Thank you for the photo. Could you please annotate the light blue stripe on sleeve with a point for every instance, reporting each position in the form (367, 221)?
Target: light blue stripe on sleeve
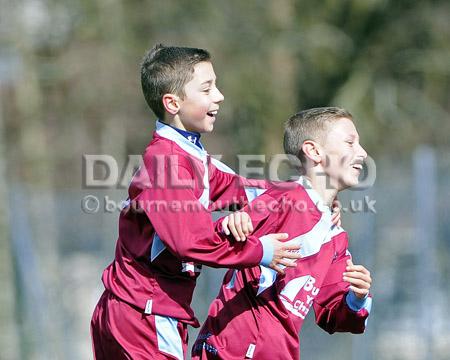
(267, 245)
(356, 304)
(252, 193)
(169, 340)
(157, 247)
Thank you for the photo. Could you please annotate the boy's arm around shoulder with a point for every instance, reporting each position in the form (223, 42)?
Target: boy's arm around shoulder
(185, 225)
(228, 188)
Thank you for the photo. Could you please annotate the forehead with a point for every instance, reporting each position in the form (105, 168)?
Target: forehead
(203, 72)
(341, 128)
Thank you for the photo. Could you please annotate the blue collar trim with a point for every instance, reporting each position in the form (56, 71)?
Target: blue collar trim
(191, 136)
(170, 133)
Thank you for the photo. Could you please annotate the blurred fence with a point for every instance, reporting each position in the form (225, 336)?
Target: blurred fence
(58, 253)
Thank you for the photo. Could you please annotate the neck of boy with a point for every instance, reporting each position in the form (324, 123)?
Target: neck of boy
(175, 122)
(321, 184)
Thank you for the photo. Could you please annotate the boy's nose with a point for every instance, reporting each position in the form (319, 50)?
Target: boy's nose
(218, 96)
(362, 152)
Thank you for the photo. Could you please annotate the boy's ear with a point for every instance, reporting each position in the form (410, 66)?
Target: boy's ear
(171, 103)
(312, 151)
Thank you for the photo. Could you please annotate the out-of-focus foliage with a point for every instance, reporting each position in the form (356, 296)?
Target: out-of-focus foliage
(76, 86)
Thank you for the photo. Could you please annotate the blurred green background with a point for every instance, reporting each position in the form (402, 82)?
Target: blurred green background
(69, 85)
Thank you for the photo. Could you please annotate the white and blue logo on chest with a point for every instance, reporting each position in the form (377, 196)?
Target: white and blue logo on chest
(298, 295)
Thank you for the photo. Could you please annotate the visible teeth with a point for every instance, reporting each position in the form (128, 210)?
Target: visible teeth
(213, 112)
(357, 166)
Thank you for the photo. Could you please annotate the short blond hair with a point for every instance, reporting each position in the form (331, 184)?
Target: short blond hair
(311, 124)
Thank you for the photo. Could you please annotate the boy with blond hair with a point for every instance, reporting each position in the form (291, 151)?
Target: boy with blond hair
(258, 313)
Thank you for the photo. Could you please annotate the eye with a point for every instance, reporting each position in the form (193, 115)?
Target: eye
(206, 91)
(350, 142)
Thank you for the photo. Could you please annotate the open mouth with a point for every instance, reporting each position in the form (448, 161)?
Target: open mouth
(357, 165)
(212, 113)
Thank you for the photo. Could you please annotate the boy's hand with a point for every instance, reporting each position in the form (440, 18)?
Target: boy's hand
(336, 216)
(283, 254)
(239, 224)
(359, 278)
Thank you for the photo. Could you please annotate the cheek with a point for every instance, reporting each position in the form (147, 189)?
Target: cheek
(197, 109)
(346, 157)
(199, 112)
(335, 159)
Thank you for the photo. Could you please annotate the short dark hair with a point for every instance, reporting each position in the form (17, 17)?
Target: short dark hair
(309, 124)
(166, 70)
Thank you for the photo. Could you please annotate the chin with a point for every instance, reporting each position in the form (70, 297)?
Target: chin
(347, 183)
(208, 129)
(352, 183)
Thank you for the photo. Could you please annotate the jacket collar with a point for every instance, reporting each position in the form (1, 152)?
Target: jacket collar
(170, 133)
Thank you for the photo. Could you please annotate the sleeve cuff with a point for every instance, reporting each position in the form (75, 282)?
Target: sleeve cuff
(356, 304)
(267, 245)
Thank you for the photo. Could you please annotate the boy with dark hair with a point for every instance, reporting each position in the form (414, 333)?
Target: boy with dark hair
(166, 231)
(258, 313)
